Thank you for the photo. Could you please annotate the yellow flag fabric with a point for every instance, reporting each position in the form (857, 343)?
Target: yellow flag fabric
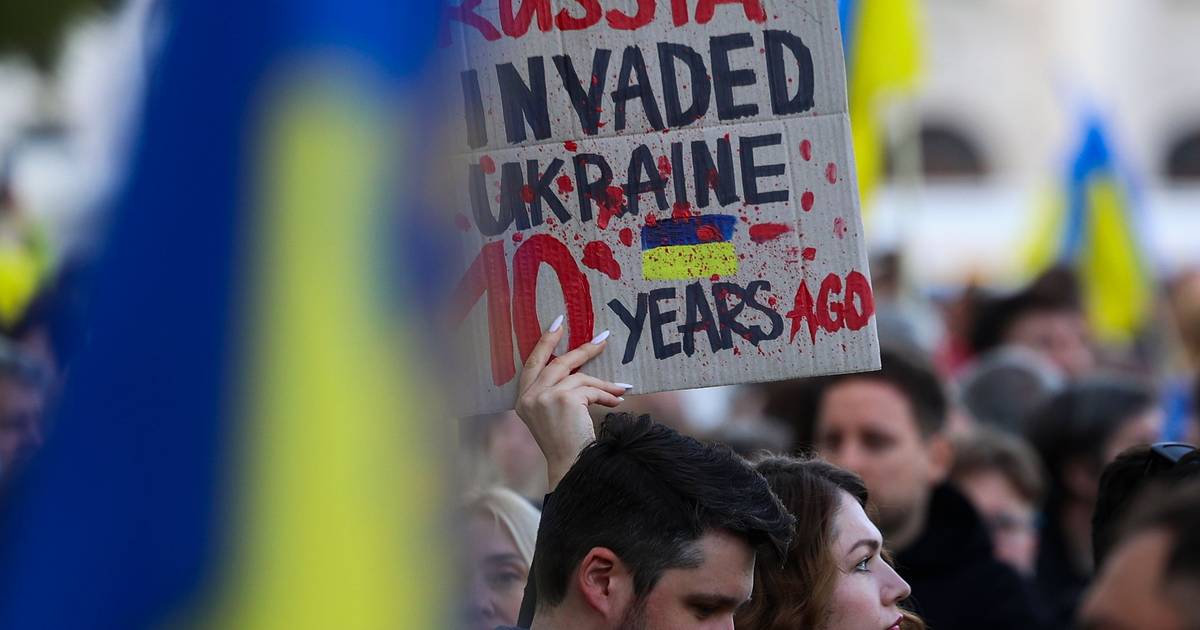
(1116, 285)
(883, 60)
(338, 516)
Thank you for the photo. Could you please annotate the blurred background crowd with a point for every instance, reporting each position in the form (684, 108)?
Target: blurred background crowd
(1033, 224)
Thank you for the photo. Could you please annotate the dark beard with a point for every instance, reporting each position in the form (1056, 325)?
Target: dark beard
(635, 617)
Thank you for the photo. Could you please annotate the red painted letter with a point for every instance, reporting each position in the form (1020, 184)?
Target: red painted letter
(489, 274)
(802, 309)
(591, 17)
(830, 313)
(753, 8)
(577, 293)
(517, 25)
(679, 12)
(622, 22)
(857, 316)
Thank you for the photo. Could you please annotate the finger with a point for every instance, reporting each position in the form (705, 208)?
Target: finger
(541, 354)
(563, 366)
(580, 379)
(600, 397)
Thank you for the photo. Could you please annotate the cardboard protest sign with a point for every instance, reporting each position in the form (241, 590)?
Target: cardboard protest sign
(677, 172)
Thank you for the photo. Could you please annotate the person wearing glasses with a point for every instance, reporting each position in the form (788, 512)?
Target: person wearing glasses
(1151, 578)
(1127, 478)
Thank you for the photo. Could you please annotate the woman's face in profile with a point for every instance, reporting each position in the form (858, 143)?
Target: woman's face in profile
(868, 591)
(498, 574)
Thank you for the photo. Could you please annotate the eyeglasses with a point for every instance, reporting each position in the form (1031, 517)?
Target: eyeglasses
(1164, 455)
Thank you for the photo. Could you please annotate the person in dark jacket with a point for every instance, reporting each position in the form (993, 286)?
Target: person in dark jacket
(888, 426)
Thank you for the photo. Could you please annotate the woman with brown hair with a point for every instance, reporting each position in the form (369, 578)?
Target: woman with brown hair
(835, 575)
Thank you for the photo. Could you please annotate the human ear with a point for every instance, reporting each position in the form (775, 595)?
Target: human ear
(940, 452)
(605, 583)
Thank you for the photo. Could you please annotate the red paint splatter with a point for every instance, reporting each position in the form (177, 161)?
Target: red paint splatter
(681, 210)
(595, 81)
(571, 146)
(549, 220)
(527, 193)
(598, 255)
(727, 137)
(664, 166)
(714, 277)
(461, 222)
(771, 301)
(806, 150)
(708, 233)
(764, 232)
(809, 253)
(839, 227)
(565, 185)
(517, 237)
(806, 200)
(831, 173)
(488, 164)
(651, 220)
(626, 236)
(612, 204)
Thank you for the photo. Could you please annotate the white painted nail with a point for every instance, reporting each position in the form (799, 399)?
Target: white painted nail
(557, 324)
(627, 386)
(621, 398)
(600, 338)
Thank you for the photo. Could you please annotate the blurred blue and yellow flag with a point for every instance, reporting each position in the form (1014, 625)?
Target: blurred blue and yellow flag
(1093, 225)
(249, 438)
(882, 44)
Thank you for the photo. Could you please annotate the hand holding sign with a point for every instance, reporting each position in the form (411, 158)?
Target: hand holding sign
(553, 400)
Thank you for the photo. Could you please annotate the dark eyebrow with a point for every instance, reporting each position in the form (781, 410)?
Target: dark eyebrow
(503, 558)
(714, 601)
(866, 542)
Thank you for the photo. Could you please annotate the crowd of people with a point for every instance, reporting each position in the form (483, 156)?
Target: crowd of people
(1017, 474)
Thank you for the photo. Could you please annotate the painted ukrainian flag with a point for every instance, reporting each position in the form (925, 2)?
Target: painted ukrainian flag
(1093, 225)
(691, 247)
(882, 43)
(249, 440)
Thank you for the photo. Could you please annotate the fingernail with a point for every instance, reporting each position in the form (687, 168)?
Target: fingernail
(621, 398)
(557, 324)
(627, 386)
(600, 338)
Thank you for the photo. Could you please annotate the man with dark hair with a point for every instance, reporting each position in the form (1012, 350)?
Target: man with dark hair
(650, 525)
(888, 426)
(647, 529)
(1152, 578)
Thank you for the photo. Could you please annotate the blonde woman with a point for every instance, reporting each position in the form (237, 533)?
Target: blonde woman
(501, 530)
